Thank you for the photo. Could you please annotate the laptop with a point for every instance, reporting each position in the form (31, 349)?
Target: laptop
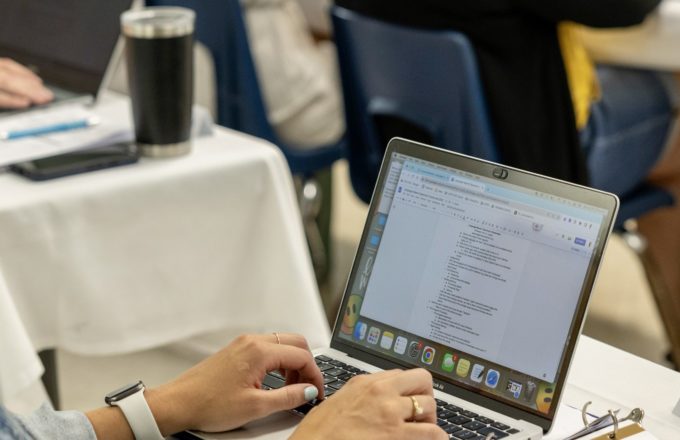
(68, 43)
(478, 272)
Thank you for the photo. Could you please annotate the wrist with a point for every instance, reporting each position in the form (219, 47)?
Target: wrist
(169, 409)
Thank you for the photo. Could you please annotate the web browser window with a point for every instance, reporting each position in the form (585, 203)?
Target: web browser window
(472, 277)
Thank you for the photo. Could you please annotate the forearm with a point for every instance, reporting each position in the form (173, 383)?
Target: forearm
(597, 13)
(165, 403)
(109, 423)
(224, 391)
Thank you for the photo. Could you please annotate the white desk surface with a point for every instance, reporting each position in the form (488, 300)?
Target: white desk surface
(655, 44)
(612, 378)
(608, 377)
(143, 255)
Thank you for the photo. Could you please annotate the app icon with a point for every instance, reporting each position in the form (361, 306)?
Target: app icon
(414, 349)
(530, 391)
(351, 314)
(373, 335)
(449, 362)
(463, 367)
(514, 388)
(386, 341)
(400, 345)
(492, 378)
(477, 373)
(366, 272)
(428, 355)
(544, 397)
(360, 331)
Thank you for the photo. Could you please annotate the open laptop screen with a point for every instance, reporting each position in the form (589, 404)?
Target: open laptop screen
(472, 277)
(67, 42)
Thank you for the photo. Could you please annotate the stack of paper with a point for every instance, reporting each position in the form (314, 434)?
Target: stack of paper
(104, 131)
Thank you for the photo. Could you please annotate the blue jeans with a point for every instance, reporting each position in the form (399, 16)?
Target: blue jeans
(628, 128)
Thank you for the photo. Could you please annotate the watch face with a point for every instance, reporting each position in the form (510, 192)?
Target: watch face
(123, 392)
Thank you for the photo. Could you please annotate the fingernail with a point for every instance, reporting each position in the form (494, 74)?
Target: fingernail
(45, 95)
(310, 393)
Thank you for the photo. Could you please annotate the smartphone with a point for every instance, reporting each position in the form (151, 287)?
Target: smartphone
(77, 162)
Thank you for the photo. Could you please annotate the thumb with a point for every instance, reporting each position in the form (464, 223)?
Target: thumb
(288, 397)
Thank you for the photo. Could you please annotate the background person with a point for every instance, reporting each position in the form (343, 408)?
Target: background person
(297, 74)
(551, 112)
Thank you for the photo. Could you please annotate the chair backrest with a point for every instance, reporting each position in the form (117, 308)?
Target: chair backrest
(221, 28)
(410, 82)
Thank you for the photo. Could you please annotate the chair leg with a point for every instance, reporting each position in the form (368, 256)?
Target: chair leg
(48, 357)
(662, 294)
(310, 199)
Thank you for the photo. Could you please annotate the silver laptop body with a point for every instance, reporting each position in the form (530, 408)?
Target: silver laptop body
(478, 272)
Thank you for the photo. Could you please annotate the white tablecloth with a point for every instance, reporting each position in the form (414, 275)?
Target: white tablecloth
(655, 44)
(135, 257)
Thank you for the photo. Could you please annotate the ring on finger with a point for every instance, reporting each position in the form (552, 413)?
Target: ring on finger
(417, 409)
(278, 340)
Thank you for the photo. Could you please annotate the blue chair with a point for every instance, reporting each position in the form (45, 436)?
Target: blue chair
(643, 199)
(416, 83)
(423, 84)
(221, 28)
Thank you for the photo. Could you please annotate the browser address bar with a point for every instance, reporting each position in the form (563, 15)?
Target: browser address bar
(471, 186)
(467, 184)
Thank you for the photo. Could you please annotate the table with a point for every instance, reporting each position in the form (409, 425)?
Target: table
(613, 378)
(140, 256)
(605, 375)
(654, 44)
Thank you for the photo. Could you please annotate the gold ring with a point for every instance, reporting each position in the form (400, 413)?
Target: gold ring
(278, 340)
(417, 409)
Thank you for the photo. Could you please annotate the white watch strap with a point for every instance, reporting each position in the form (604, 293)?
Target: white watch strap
(139, 417)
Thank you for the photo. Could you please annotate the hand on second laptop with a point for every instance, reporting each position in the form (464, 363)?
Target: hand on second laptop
(19, 87)
(376, 406)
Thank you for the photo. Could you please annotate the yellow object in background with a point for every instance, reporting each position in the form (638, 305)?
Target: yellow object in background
(581, 73)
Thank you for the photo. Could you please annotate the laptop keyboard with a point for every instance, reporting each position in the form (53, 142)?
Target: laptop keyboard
(454, 420)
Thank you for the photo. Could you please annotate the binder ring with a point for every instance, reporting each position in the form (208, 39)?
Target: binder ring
(584, 413)
(615, 420)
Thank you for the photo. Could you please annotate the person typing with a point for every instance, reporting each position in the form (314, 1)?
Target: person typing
(225, 392)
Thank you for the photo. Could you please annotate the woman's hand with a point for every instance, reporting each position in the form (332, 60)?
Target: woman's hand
(224, 391)
(19, 87)
(376, 406)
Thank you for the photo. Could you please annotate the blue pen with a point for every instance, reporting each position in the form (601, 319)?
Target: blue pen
(51, 128)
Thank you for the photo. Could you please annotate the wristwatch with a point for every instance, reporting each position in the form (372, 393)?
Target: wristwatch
(130, 399)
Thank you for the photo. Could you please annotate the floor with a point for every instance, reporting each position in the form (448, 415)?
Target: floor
(622, 313)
